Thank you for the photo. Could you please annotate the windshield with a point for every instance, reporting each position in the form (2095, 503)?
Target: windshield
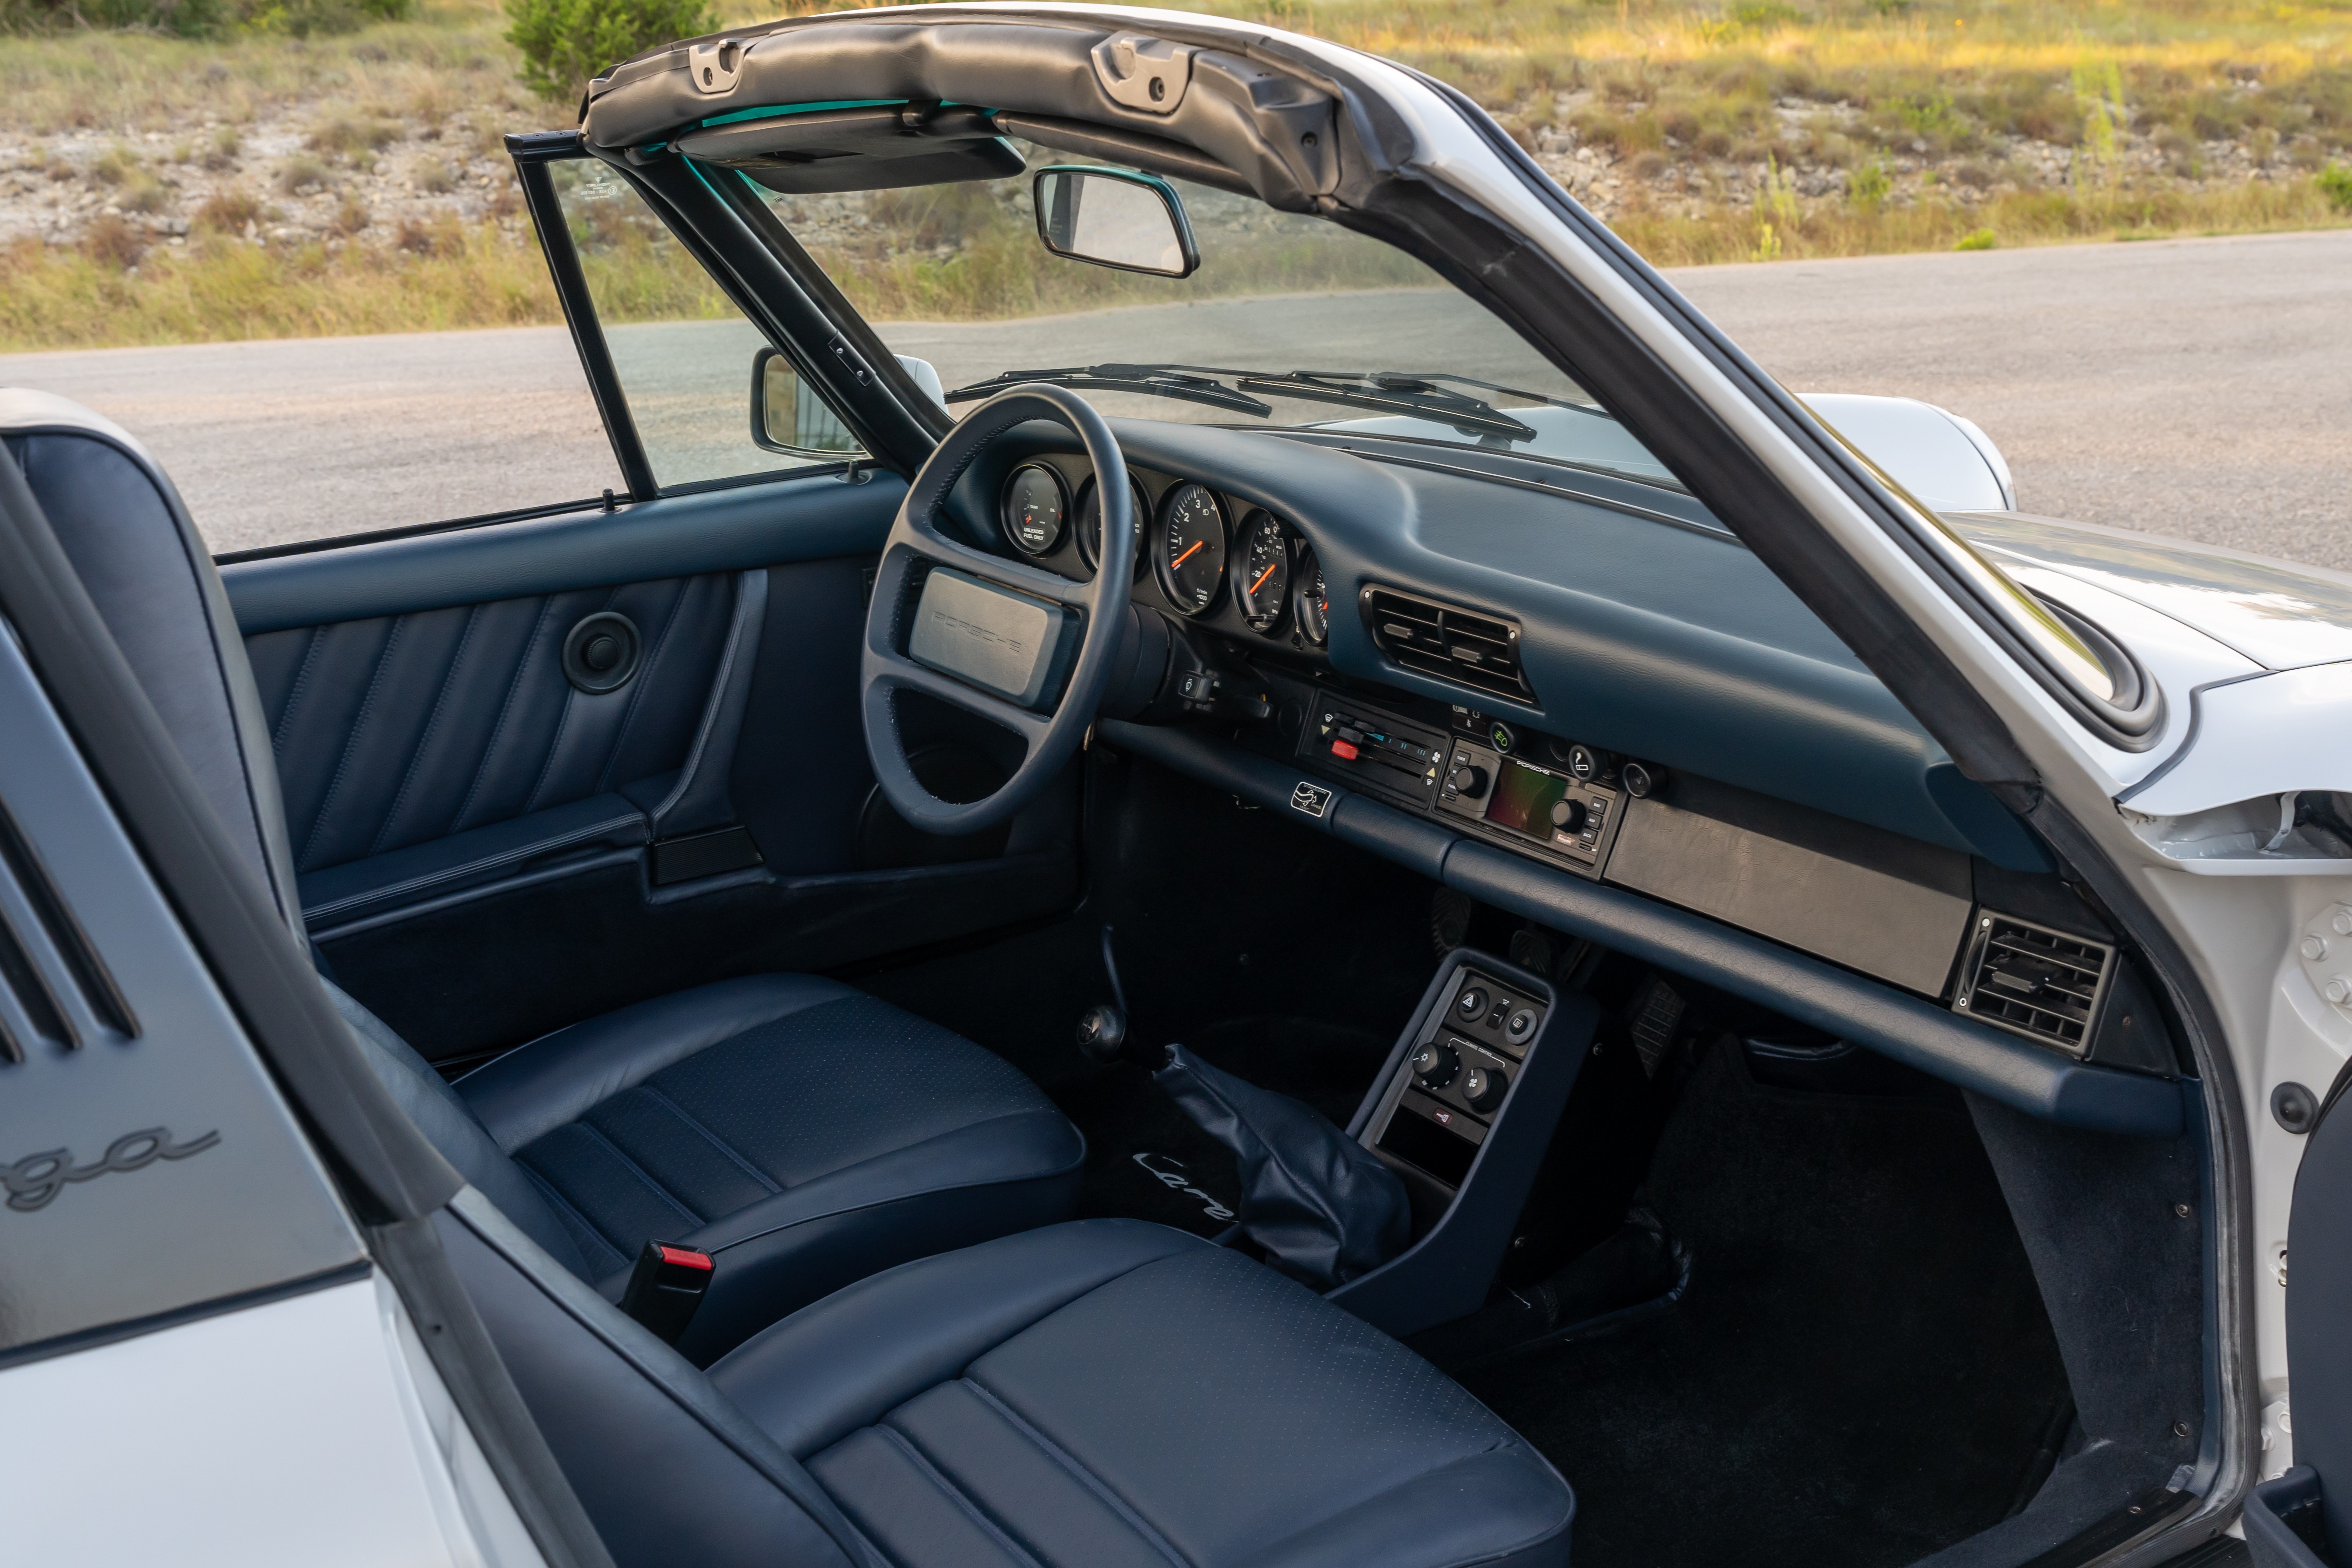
(1289, 323)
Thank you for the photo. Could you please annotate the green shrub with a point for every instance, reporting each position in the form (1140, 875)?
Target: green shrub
(1982, 240)
(566, 42)
(2336, 181)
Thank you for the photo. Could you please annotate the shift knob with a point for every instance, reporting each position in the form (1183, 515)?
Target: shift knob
(1102, 1032)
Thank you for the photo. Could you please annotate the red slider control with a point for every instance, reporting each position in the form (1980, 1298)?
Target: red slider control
(1343, 751)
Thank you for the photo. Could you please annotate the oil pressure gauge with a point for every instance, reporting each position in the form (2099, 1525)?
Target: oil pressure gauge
(1313, 601)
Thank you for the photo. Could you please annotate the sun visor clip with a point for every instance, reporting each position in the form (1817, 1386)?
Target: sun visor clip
(1141, 72)
(715, 65)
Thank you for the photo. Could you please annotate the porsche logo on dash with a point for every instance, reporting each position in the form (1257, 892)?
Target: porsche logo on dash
(1311, 798)
(36, 1179)
(959, 627)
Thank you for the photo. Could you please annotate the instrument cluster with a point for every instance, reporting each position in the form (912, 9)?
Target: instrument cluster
(1210, 556)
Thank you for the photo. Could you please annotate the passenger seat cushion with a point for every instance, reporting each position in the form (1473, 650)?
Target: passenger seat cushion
(1144, 1398)
(803, 1134)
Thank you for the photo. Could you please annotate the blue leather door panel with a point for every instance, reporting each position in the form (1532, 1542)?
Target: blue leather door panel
(404, 729)
(470, 830)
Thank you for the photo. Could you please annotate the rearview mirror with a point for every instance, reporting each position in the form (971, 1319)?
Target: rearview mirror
(788, 416)
(1115, 218)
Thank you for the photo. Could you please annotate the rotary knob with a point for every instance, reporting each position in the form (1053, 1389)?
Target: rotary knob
(1568, 815)
(1482, 1088)
(1435, 1064)
(1468, 782)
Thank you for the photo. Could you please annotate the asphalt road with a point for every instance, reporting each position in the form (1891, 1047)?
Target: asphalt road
(2196, 387)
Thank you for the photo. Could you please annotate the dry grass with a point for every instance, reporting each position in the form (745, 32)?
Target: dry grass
(1943, 71)
(216, 288)
(138, 82)
(2057, 217)
(1730, 130)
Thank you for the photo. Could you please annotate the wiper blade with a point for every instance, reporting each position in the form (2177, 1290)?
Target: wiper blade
(1157, 381)
(1414, 396)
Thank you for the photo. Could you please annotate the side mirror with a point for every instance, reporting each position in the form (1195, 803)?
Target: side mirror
(787, 416)
(1115, 218)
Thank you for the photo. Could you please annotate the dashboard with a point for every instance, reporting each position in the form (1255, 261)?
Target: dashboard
(1583, 672)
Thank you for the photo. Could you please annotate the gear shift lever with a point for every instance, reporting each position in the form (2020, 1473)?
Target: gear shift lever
(1102, 1030)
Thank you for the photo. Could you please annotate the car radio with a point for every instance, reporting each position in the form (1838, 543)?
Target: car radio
(1481, 772)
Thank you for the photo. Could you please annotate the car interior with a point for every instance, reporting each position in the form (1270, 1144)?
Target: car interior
(1372, 989)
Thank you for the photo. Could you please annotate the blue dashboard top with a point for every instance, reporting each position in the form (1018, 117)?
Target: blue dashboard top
(1663, 639)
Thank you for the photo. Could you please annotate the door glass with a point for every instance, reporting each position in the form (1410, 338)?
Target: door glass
(682, 349)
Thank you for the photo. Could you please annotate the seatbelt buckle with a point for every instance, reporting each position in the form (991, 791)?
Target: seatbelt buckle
(665, 1287)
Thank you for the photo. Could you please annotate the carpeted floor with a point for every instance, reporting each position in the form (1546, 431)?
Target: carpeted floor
(1859, 1371)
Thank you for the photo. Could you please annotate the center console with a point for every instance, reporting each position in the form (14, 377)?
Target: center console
(1463, 1112)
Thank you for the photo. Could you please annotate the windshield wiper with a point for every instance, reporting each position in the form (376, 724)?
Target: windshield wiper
(1414, 394)
(1392, 392)
(1182, 383)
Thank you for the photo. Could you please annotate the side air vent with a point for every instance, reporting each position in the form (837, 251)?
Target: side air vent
(2040, 983)
(50, 974)
(1467, 648)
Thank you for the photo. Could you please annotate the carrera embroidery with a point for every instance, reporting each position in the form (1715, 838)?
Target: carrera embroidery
(32, 1181)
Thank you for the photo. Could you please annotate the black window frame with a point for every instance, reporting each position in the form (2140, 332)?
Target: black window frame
(752, 262)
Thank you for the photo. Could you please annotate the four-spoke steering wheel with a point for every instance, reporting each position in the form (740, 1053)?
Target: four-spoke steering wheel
(917, 546)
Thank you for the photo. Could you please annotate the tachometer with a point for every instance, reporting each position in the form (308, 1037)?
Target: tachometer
(1034, 509)
(1190, 556)
(1262, 572)
(1313, 603)
(1090, 525)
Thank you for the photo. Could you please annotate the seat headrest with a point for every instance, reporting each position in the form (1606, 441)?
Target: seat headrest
(128, 535)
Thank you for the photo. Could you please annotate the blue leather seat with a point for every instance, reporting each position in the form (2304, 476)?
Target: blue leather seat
(718, 1118)
(1093, 1394)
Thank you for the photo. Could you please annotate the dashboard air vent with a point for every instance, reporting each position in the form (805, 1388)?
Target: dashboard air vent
(1467, 648)
(2038, 981)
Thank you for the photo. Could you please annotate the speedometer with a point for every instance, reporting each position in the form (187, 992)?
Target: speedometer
(1190, 554)
(1262, 572)
(1314, 601)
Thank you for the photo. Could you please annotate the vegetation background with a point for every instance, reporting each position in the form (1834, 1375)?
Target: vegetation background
(197, 170)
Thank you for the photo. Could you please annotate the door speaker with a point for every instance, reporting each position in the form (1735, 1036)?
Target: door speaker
(601, 653)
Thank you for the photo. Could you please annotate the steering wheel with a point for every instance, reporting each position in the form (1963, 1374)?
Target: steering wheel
(970, 633)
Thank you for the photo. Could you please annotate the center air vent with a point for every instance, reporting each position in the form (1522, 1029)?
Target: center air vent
(1467, 648)
(2040, 982)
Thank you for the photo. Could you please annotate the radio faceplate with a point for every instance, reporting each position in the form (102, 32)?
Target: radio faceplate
(1481, 786)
